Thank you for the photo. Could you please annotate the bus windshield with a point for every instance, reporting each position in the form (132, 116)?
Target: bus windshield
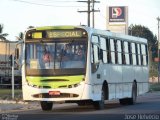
(56, 55)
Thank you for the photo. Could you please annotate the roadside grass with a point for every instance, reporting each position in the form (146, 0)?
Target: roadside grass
(154, 87)
(6, 94)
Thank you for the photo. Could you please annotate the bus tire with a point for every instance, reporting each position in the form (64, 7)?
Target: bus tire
(125, 101)
(132, 100)
(46, 106)
(134, 94)
(81, 103)
(99, 105)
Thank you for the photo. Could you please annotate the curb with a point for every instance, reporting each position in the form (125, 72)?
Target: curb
(12, 102)
(4, 109)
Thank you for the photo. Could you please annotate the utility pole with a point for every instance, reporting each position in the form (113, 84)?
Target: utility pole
(158, 19)
(12, 64)
(89, 10)
(93, 11)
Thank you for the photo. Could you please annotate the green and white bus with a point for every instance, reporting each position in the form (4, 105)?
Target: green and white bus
(82, 65)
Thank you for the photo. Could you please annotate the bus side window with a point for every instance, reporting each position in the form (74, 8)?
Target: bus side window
(104, 48)
(112, 49)
(108, 50)
(116, 52)
(119, 51)
(95, 53)
(139, 54)
(130, 53)
(144, 55)
(126, 51)
(134, 60)
(136, 48)
(123, 53)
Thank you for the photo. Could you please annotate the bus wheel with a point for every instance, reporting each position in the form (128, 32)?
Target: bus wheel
(132, 100)
(81, 103)
(46, 105)
(134, 94)
(99, 105)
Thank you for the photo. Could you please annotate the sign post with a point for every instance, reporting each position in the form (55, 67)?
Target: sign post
(12, 75)
(117, 19)
(158, 19)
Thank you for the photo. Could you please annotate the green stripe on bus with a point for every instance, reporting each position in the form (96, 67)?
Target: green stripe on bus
(55, 27)
(54, 82)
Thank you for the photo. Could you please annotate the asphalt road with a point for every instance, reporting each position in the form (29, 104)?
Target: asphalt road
(147, 108)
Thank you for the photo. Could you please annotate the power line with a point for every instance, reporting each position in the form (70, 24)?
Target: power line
(48, 5)
(60, 0)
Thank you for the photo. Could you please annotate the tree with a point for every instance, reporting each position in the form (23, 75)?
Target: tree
(144, 32)
(21, 35)
(2, 35)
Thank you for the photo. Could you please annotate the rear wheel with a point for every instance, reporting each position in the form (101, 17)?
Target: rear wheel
(100, 104)
(132, 100)
(134, 94)
(46, 106)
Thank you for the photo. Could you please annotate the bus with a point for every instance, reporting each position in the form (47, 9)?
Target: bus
(79, 64)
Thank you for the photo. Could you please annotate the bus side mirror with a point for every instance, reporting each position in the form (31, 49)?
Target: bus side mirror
(17, 53)
(101, 54)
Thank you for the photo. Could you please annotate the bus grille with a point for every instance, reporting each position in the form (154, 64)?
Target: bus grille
(62, 95)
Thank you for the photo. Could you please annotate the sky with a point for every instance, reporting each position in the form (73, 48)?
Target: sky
(17, 15)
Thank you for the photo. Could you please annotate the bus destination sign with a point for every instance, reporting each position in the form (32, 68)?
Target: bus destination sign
(64, 34)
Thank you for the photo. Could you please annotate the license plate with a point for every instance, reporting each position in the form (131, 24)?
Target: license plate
(54, 93)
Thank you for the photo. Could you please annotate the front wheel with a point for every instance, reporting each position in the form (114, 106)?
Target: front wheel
(46, 106)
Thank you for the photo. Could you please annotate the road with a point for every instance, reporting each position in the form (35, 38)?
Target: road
(147, 108)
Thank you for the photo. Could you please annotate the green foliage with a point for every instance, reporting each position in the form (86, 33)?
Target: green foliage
(153, 69)
(2, 35)
(21, 35)
(144, 32)
(7, 94)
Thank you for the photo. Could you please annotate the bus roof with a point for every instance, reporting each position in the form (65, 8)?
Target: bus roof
(55, 27)
(115, 35)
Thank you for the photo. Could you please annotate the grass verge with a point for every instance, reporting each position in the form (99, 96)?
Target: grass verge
(155, 87)
(6, 94)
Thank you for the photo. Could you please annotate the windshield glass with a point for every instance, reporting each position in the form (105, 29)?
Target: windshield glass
(56, 55)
